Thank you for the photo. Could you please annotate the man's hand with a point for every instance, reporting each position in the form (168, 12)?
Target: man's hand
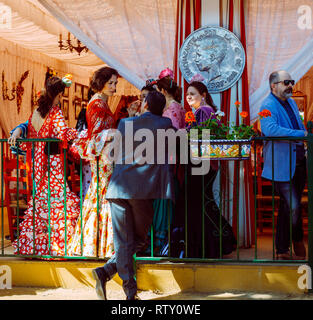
(15, 135)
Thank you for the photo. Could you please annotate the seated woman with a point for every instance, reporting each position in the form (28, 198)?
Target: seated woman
(52, 231)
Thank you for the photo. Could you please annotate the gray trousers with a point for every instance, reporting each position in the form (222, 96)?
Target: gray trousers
(131, 219)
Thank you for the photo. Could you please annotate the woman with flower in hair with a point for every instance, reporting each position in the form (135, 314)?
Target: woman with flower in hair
(173, 94)
(51, 230)
(174, 111)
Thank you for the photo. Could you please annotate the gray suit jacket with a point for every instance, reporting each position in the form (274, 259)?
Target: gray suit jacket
(141, 181)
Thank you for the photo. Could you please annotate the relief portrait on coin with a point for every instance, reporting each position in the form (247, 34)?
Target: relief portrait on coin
(214, 53)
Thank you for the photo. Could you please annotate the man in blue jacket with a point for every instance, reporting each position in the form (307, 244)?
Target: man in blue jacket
(285, 121)
(133, 187)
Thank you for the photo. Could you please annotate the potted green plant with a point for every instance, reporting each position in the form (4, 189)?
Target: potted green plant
(227, 142)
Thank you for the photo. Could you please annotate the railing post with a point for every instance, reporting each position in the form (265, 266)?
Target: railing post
(2, 200)
(310, 198)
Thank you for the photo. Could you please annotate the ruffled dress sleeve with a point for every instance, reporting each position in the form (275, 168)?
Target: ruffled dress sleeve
(60, 129)
(176, 113)
(92, 141)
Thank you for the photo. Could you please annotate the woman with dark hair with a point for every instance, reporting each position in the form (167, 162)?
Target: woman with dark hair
(81, 125)
(203, 107)
(134, 108)
(20, 132)
(97, 238)
(173, 95)
(174, 111)
(49, 234)
(200, 101)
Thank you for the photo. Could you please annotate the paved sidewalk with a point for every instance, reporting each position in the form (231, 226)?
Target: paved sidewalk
(18, 293)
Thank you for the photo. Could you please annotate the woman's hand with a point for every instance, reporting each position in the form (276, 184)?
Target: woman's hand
(133, 108)
(15, 135)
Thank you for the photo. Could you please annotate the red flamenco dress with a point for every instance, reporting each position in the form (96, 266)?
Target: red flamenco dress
(96, 222)
(49, 234)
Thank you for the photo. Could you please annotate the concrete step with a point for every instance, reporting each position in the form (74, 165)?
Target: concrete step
(28, 293)
(161, 278)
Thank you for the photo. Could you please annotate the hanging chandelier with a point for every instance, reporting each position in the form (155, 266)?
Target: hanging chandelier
(69, 46)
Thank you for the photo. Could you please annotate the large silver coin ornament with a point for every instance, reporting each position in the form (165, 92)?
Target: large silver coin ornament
(214, 55)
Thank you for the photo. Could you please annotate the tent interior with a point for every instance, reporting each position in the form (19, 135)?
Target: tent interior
(137, 38)
(27, 49)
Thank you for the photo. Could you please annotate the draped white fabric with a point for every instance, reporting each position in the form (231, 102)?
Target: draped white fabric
(135, 36)
(33, 27)
(275, 41)
(14, 61)
(31, 43)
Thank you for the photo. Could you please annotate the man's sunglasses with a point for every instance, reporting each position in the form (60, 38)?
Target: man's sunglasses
(287, 82)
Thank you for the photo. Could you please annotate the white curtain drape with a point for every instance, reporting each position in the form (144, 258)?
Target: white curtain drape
(34, 28)
(135, 36)
(275, 41)
(14, 61)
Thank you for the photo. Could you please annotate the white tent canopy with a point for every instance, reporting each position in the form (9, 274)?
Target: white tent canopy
(34, 28)
(276, 42)
(135, 37)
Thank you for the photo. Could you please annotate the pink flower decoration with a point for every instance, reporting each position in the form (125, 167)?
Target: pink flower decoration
(197, 77)
(166, 73)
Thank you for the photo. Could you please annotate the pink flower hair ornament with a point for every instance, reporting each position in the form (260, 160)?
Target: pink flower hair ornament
(197, 77)
(166, 73)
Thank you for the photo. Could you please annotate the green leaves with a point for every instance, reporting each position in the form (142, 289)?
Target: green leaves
(227, 132)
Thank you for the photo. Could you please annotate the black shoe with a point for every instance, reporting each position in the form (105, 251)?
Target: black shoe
(134, 297)
(299, 249)
(101, 280)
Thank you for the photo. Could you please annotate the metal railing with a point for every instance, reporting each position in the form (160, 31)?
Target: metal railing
(168, 257)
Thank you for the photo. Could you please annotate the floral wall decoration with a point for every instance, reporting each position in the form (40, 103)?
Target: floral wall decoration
(5, 89)
(14, 63)
(16, 91)
(20, 90)
(34, 97)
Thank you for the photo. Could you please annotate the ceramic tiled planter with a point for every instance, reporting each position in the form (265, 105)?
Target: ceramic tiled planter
(220, 149)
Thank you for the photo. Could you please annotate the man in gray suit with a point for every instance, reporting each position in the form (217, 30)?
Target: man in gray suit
(133, 187)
